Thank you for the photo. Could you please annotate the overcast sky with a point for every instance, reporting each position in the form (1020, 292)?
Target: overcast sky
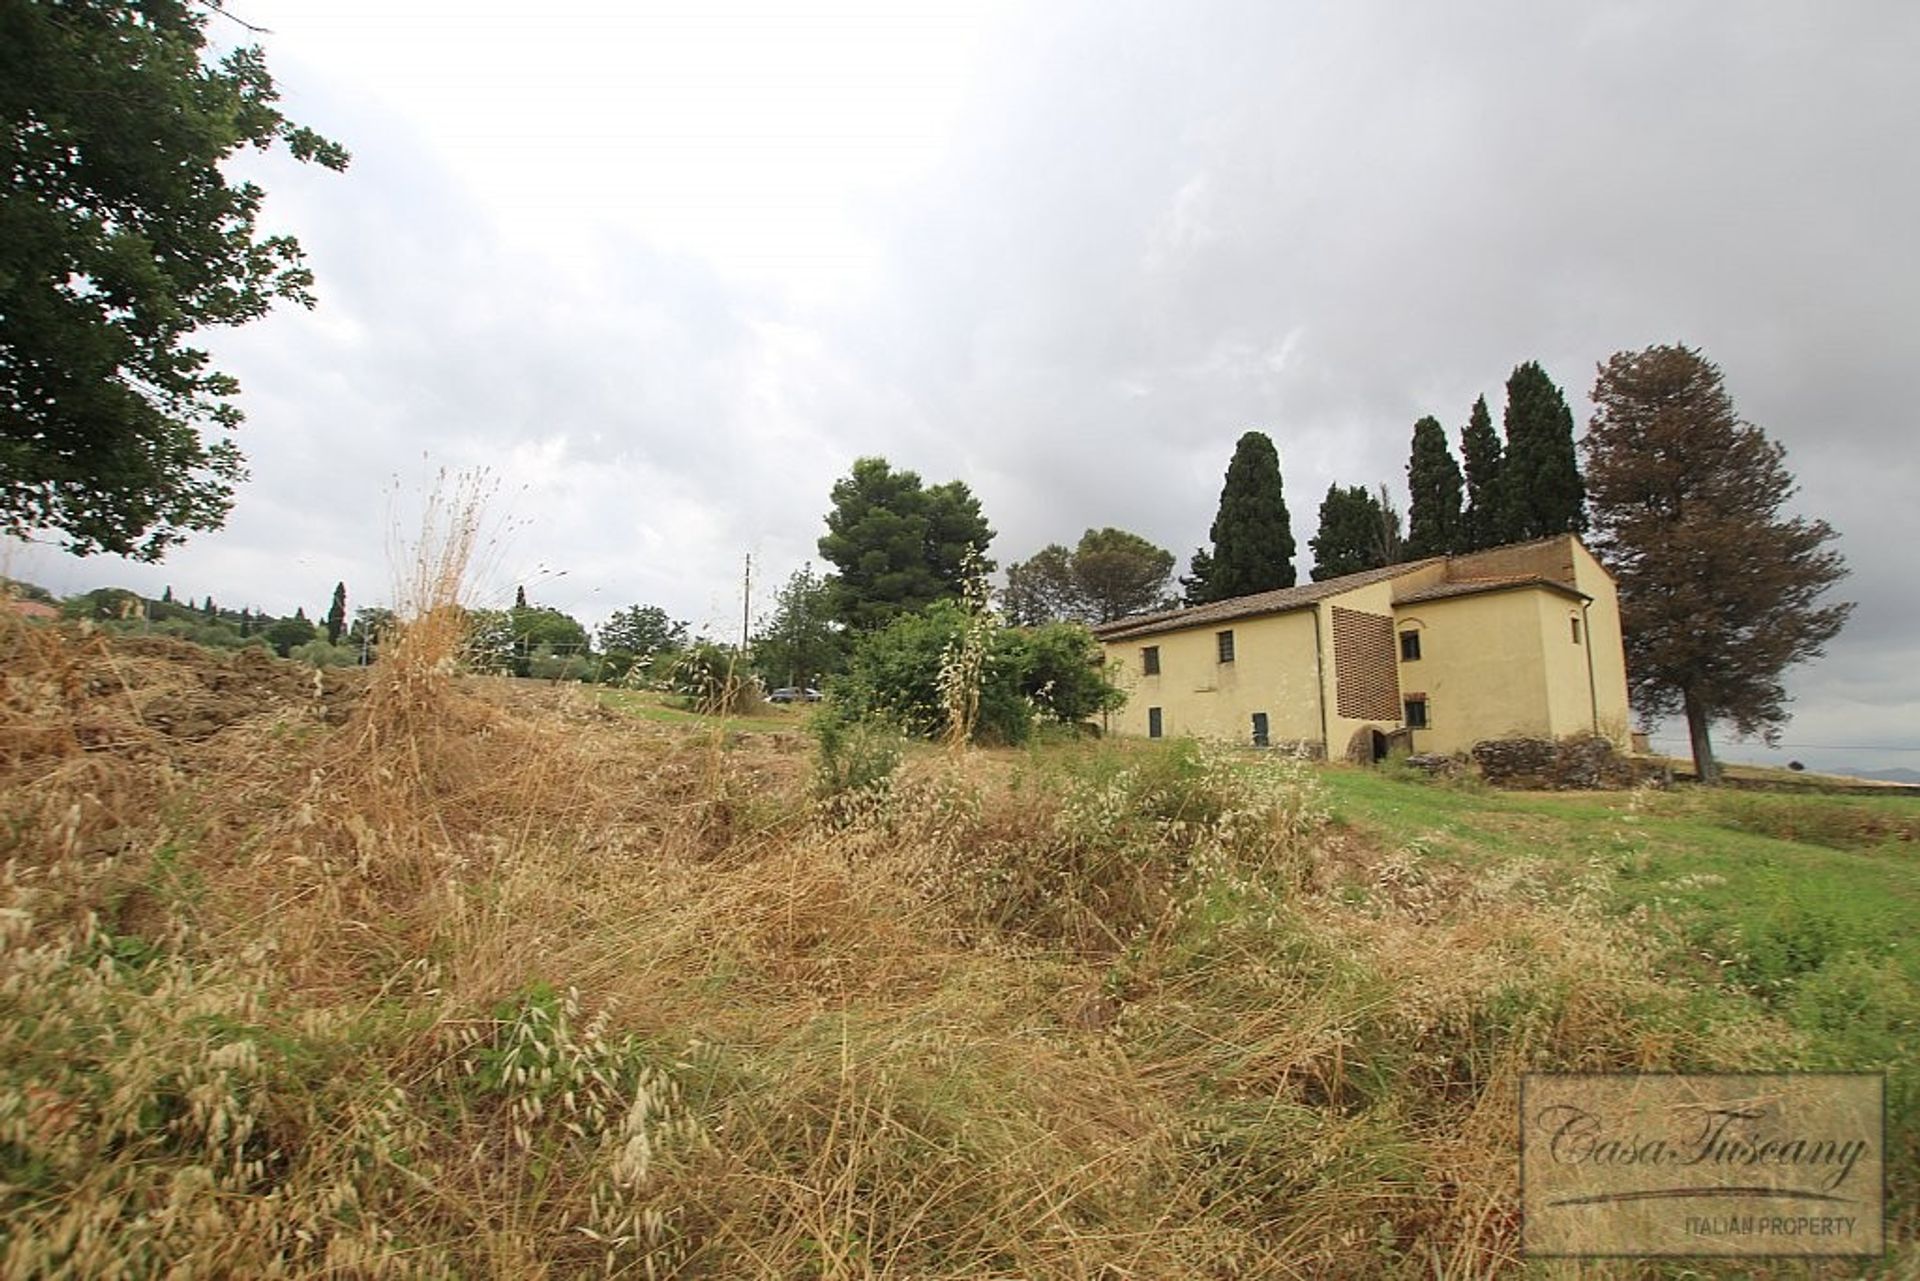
(668, 270)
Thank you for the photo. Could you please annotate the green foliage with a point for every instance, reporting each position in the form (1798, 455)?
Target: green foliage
(547, 665)
(1484, 520)
(642, 630)
(105, 603)
(895, 676)
(286, 634)
(1541, 489)
(1358, 531)
(490, 645)
(18, 590)
(119, 239)
(1435, 524)
(854, 764)
(1252, 534)
(1193, 583)
(1110, 574)
(370, 626)
(337, 614)
(320, 653)
(800, 645)
(897, 545)
(1719, 592)
(714, 680)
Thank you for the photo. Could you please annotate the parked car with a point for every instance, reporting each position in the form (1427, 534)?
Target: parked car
(789, 694)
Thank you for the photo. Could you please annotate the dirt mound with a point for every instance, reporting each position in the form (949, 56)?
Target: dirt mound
(63, 690)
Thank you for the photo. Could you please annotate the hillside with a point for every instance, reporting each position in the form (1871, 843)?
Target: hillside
(404, 974)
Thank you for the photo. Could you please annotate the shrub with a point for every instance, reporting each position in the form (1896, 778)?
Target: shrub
(1049, 672)
(714, 682)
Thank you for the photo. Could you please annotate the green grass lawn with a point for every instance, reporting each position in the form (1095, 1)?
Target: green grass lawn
(665, 708)
(1805, 905)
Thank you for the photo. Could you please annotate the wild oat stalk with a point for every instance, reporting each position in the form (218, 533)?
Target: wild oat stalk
(963, 663)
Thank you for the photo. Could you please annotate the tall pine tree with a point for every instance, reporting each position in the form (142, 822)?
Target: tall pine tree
(1541, 482)
(1483, 520)
(1720, 591)
(1252, 534)
(1434, 524)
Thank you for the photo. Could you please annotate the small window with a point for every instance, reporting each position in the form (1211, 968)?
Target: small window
(1417, 712)
(1225, 641)
(1409, 647)
(1150, 660)
(1576, 628)
(1153, 722)
(1260, 729)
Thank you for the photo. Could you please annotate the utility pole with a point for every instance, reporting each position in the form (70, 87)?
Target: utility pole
(746, 604)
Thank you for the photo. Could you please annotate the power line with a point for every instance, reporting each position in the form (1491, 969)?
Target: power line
(1805, 747)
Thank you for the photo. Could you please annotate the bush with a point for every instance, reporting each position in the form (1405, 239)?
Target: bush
(318, 653)
(544, 664)
(714, 682)
(1049, 672)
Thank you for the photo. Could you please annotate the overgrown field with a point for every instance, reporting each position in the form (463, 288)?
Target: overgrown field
(409, 975)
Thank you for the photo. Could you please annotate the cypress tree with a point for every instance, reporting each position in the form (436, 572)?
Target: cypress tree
(1193, 583)
(1542, 487)
(1434, 524)
(337, 614)
(1358, 530)
(1482, 521)
(1252, 533)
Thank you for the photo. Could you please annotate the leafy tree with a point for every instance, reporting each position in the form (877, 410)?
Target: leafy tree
(1252, 534)
(535, 626)
(490, 643)
(800, 645)
(166, 594)
(286, 634)
(1041, 588)
(19, 590)
(896, 544)
(104, 604)
(1434, 519)
(1484, 519)
(520, 598)
(370, 627)
(1719, 591)
(120, 238)
(1359, 530)
(642, 631)
(1109, 574)
(337, 614)
(1540, 481)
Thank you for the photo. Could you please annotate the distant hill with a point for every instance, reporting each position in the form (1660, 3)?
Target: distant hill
(1901, 775)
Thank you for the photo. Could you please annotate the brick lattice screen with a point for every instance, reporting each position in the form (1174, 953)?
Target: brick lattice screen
(1366, 673)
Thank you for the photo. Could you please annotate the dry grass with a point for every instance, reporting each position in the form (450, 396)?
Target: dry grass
(438, 976)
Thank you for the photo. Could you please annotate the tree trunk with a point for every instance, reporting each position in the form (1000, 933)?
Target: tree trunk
(1703, 764)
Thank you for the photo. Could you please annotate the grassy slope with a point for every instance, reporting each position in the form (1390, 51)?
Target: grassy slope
(454, 980)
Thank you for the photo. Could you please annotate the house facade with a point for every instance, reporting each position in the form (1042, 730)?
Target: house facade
(1513, 641)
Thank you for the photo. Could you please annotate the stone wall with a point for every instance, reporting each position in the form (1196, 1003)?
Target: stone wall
(1576, 764)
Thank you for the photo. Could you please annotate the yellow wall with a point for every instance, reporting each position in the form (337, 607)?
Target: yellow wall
(1481, 667)
(1606, 646)
(1272, 672)
(1494, 664)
